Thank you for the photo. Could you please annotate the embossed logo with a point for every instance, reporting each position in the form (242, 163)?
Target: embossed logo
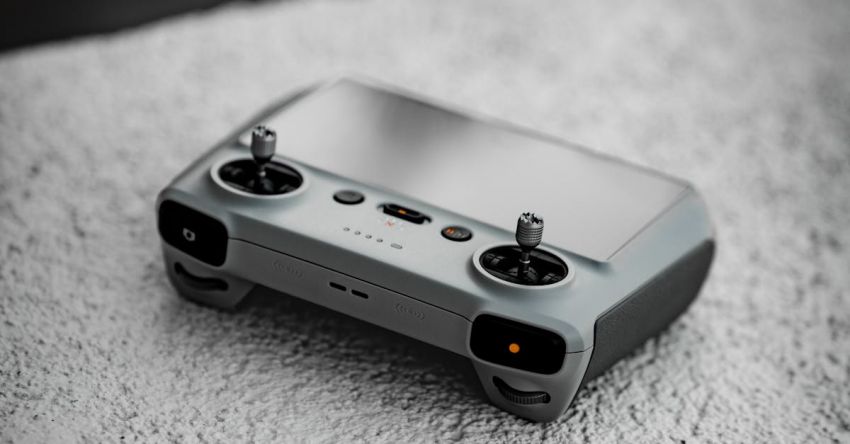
(288, 269)
(407, 311)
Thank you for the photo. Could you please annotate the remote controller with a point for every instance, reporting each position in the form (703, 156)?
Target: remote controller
(429, 221)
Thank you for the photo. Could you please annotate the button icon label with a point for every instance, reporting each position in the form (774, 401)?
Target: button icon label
(407, 311)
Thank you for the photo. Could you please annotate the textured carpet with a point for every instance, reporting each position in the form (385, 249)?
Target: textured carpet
(750, 101)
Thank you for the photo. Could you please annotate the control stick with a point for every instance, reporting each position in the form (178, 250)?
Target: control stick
(529, 233)
(263, 140)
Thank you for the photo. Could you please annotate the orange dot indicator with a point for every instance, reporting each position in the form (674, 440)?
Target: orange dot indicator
(513, 348)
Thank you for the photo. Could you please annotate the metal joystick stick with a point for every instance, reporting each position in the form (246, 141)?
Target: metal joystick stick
(529, 233)
(263, 140)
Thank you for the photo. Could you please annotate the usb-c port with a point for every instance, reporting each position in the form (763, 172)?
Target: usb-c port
(405, 213)
(359, 294)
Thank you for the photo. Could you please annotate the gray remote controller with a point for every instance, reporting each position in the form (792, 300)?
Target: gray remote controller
(416, 217)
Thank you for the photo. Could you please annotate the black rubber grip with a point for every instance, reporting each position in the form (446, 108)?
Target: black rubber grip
(519, 396)
(648, 311)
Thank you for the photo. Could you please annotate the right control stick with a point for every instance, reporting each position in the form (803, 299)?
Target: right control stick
(529, 233)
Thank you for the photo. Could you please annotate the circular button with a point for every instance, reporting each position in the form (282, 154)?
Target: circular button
(457, 234)
(348, 197)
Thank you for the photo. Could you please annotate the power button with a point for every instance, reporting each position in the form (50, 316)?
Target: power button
(349, 197)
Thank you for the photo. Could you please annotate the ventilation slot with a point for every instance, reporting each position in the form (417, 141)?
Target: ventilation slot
(337, 286)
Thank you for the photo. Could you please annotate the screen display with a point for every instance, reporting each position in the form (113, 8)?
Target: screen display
(483, 170)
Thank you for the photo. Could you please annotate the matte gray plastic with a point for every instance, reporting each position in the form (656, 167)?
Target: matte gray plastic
(648, 310)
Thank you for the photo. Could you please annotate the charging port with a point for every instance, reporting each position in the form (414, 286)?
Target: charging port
(405, 213)
(359, 294)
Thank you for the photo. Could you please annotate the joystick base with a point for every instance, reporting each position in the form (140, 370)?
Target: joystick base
(503, 262)
(244, 176)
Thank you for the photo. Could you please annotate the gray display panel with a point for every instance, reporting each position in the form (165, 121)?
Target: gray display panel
(483, 170)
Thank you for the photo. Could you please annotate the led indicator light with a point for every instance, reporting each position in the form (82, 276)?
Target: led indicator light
(513, 348)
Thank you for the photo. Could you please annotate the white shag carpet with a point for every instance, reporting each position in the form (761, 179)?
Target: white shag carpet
(749, 100)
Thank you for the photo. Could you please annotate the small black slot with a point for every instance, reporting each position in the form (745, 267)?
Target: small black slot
(405, 213)
(360, 294)
(337, 286)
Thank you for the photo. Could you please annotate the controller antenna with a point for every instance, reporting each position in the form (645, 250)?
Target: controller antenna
(263, 140)
(529, 233)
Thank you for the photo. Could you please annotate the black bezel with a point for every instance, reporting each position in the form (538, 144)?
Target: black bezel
(540, 351)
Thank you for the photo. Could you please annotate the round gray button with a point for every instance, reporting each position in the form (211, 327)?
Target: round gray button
(348, 197)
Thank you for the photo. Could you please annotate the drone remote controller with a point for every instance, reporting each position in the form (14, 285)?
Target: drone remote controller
(407, 214)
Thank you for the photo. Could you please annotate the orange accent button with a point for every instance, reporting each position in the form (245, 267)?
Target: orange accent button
(456, 233)
(513, 348)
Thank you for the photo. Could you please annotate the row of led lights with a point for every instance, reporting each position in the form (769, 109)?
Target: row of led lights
(369, 236)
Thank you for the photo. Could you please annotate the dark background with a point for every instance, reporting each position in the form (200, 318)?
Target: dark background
(24, 22)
